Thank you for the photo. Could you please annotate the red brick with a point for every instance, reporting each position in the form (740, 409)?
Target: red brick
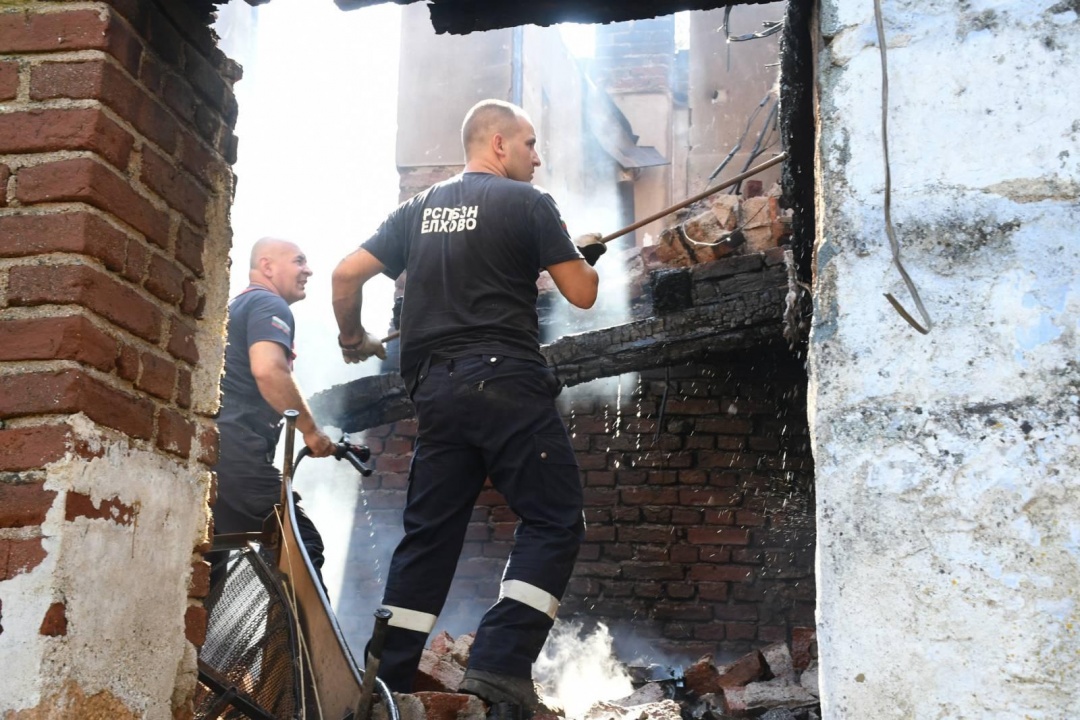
(713, 632)
(649, 496)
(600, 497)
(86, 286)
(202, 162)
(803, 647)
(702, 678)
(659, 571)
(723, 460)
(136, 262)
(599, 533)
(719, 517)
(189, 249)
(78, 505)
(716, 554)
(152, 73)
(86, 180)
(721, 573)
(712, 591)
(182, 341)
(66, 338)
(664, 460)
(737, 612)
(747, 669)
(27, 448)
(724, 426)
(692, 406)
(718, 536)
(165, 279)
(390, 463)
(54, 624)
(710, 498)
(174, 186)
(179, 97)
(772, 633)
(65, 129)
(682, 611)
(20, 556)
(24, 504)
(9, 80)
(195, 625)
(183, 387)
(29, 31)
(127, 363)
(99, 80)
(157, 377)
(646, 534)
(205, 78)
(5, 175)
(175, 432)
(194, 302)
(78, 232)
(71, 391)
(748, 518)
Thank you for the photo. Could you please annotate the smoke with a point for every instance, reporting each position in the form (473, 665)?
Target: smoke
(580, 671)
(330, 490)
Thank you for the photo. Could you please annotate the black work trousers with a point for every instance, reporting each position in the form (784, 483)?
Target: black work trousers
(248, 487)
(481, 417)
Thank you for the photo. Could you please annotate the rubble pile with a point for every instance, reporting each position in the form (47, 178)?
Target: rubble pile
(777, 682)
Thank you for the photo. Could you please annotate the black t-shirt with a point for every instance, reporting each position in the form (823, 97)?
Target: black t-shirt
(473, 247)
(255, 315)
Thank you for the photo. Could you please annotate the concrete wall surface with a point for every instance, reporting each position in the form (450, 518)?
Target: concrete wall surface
(948, 522)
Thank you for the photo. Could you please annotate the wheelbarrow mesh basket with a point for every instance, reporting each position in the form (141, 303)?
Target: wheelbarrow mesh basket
(250, 639)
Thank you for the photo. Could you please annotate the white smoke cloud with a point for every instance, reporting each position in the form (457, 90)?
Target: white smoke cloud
(579, 671)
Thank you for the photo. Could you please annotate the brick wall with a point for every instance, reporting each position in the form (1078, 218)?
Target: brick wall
(636, 56)
(700, 538)
(115, 150)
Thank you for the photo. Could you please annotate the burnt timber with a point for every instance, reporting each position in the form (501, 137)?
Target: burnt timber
(701, 312)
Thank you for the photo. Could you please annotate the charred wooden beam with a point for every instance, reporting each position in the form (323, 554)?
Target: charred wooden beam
(460, 17)
(719, 308)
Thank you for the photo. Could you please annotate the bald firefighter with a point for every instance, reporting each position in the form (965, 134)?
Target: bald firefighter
(473, 247)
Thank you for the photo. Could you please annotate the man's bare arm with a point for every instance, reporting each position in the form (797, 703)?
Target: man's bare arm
(276, 383)
(577, 282)
(347, 293)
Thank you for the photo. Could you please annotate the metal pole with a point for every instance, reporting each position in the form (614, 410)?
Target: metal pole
(667, 211)
(286, 479)
(371, 663)
(701, 195)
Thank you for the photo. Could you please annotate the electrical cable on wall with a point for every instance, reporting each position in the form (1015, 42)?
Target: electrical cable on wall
(893, 242)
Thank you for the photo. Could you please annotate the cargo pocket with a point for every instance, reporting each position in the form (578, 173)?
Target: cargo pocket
(560, 490)
(553, 449)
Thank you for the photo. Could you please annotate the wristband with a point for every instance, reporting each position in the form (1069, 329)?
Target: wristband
(354, 346)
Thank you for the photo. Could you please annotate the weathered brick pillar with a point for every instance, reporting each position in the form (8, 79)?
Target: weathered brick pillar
(115, 182)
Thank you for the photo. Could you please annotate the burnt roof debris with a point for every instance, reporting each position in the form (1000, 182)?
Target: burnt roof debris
(459, 17)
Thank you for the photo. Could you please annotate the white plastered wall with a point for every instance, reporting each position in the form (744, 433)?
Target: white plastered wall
(948, 464)
(123, 580)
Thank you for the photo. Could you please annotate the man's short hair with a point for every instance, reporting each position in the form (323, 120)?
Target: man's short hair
(486, 118)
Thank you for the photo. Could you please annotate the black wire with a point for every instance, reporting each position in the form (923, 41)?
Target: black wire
(769, 125)
(738, 143)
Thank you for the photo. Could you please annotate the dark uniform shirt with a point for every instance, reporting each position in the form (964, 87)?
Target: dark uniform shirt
(473, 246)
(255, 315)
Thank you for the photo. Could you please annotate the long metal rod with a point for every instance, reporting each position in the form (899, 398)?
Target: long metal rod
(286, 474)
(667, 211)
(701, 195)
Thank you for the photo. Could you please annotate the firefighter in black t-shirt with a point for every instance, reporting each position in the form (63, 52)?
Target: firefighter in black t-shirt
(473, 247)
(256, 388)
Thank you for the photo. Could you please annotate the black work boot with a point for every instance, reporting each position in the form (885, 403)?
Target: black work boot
(498, 690)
